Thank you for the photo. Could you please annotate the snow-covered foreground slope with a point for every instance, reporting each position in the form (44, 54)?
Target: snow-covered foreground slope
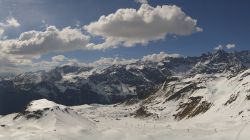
(45, 120)
(113, 125)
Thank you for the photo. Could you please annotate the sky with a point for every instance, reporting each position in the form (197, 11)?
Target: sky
(36, 34)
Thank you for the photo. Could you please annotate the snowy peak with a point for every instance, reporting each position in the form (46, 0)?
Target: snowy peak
(43, 118)
(48, 115)
(40, 109)
(220, 62)
(42, 104)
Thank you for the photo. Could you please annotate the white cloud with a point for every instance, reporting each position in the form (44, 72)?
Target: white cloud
(125, 27)
(128, 27)
(142, 1)
(62, 60)
(158, 57)
(9, 63)
(1, 31)
(18, 64)
(230, 46)
(9, 23)
(219, 47)
(112, 61)
(35, 43)
(59, 58)
(19, 54)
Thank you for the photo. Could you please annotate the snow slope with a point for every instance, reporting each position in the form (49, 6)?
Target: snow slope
(45, 120)
(113, 122)
(202, 94)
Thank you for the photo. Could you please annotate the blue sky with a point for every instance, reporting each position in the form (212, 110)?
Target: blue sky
(223, 22)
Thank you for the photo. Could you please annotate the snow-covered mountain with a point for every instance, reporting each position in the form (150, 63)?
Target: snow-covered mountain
(184, 98)
(43, 119)
(137, 81)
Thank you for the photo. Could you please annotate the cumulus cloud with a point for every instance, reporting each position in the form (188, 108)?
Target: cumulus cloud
(35, 43)
(9, 23)
(128, 27)
(156, 57)
(219, 47)
(24, 65)
(159, 57)
(58, 58)
(18, 64)
(62, 60)
(112, 61)
(228, 46)
(1, 32)
(18, 54)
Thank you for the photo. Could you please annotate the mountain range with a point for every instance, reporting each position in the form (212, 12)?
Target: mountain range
(143, 80)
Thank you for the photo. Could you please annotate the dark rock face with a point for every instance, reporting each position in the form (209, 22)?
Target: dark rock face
(192, 108)
(232, 99)
(142, 113)
(177, 95)
(117, 83)
(30, 114)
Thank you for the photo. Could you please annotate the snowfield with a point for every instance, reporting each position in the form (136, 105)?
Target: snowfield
(113, 122)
